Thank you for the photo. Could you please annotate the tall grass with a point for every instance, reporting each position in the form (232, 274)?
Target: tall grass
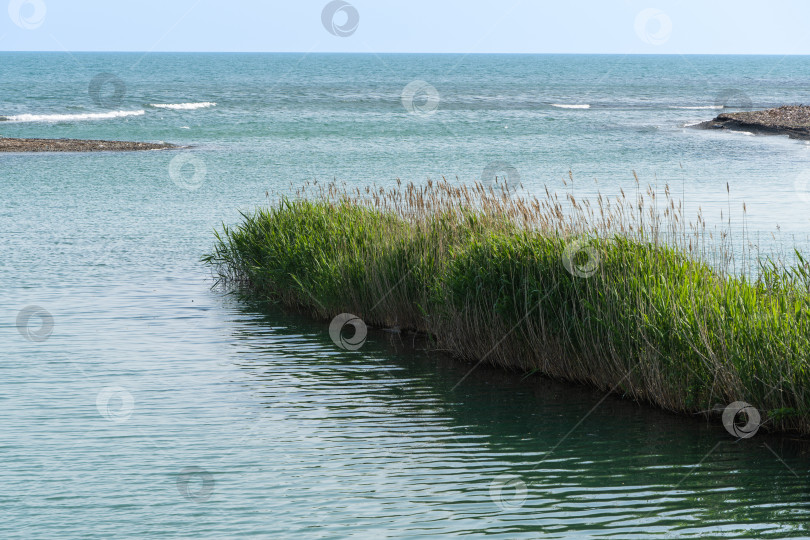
(622, 294)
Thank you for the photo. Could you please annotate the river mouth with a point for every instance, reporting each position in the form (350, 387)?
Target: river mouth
(140, 403)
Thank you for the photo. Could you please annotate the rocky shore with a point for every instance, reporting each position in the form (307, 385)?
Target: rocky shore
(76, 145)
(790, 120)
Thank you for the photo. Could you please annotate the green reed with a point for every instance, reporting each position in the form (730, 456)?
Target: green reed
(624, 295)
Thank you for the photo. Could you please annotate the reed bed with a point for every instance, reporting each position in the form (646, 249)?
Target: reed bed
(623, 294)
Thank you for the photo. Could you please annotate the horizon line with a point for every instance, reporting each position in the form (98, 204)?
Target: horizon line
(310, 53)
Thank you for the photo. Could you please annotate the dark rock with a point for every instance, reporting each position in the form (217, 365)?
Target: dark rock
(76, 145)
(790, 120)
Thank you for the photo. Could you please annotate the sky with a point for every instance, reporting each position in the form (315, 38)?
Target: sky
(439, 26)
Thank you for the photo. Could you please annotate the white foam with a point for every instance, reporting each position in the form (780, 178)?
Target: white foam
(183, 106)
(70, 117)
(565, 106)
(698, 108)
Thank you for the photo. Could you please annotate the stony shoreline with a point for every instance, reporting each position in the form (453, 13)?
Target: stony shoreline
(77, 145)
(790, 120)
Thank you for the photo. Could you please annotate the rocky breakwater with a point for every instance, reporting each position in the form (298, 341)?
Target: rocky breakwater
(790, 120)
(77, 145)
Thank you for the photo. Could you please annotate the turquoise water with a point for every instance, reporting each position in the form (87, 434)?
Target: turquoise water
(156, 407)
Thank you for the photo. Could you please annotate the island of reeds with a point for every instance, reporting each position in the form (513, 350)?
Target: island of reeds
(622, 294)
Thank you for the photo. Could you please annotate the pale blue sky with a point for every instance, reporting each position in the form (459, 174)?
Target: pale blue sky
(622, 26)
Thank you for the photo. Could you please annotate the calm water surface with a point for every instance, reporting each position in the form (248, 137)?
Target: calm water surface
(157, 407)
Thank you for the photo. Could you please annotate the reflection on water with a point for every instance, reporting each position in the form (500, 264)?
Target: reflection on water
(176, 409)
(502, 454)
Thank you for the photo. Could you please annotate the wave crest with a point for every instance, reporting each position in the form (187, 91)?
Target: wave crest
(183, 106)
(69, 117)
(574, 106)
(698, 107)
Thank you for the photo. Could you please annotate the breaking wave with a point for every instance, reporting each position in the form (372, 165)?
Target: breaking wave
(183, 106)
(69, 117)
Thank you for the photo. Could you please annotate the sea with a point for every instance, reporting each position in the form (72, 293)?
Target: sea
(139, 401)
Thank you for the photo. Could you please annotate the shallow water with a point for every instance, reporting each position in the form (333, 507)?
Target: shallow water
(156, 406)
